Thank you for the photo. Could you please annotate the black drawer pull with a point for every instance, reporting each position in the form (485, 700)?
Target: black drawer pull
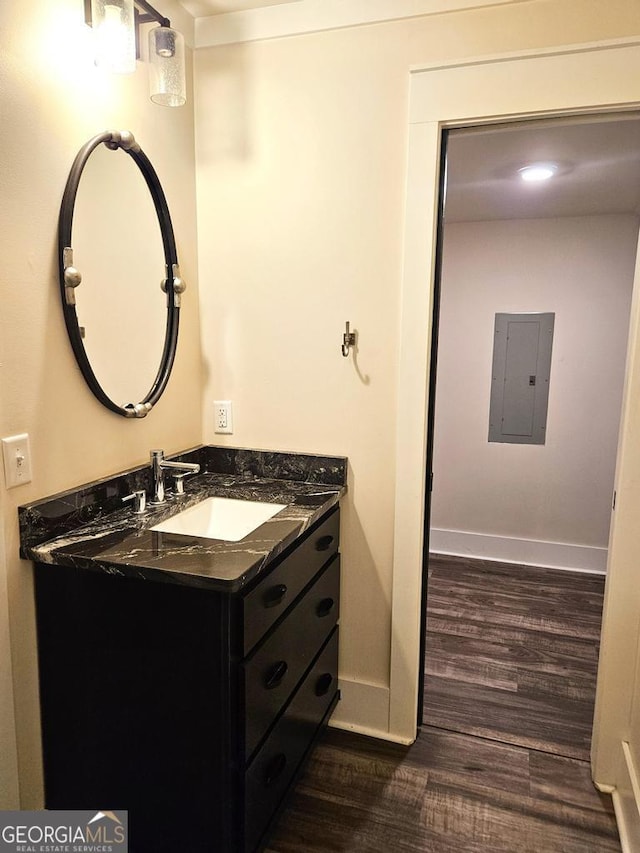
(274, 596)
(324, 543)
(274, 769)
(275, 675)
(323, 684)
(324, 607)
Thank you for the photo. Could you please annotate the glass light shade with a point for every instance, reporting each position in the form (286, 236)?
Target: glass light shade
(167, 84)
(114, 35)
(537, 172)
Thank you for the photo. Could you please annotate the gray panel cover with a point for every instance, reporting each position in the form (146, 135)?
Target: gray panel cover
(520, 378)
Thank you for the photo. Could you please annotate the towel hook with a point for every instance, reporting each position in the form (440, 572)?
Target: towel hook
(348, 340)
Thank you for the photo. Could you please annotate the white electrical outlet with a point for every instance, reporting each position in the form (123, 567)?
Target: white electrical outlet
(223, 416)
(17, 460)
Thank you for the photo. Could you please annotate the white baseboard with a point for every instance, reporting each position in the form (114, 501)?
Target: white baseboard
(620, 812)
(379, 734)
(528, 552)
(364, 709)
(626, 803)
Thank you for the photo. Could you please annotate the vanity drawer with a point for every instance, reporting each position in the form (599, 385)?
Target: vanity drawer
(273, 768)
(268, 601)
(272, 673)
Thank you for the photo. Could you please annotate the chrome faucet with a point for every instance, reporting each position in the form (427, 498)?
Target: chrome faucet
(158, 466)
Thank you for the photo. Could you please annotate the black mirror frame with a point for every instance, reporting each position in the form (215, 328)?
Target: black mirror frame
(70, 278)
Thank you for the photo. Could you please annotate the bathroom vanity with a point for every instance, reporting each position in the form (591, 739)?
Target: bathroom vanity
(187, 679)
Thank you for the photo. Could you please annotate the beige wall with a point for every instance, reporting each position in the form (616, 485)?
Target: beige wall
(582, 270)
(301, 157)
(53, 100)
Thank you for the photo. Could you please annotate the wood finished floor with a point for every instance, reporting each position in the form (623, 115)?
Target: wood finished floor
(519, 642)
(501, 764)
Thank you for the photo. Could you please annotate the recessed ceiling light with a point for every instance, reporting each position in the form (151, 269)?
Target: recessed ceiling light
(536, 172)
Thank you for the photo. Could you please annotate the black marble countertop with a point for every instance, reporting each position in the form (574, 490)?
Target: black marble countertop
(90, 528)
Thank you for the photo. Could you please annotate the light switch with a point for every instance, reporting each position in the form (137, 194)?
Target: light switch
(17, 460)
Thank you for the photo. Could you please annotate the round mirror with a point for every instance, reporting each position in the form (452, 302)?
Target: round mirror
(116, 246)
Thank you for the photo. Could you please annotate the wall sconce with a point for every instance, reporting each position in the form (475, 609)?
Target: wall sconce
(167, 84)
(117, 27)
(113, 23)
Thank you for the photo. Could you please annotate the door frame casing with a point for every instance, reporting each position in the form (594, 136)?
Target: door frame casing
(508, 87)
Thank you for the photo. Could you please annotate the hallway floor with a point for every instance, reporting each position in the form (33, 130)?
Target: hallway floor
(501, 764)
(519, 642)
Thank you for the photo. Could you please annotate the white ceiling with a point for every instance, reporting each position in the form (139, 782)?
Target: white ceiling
(599, 169)
(204, 8)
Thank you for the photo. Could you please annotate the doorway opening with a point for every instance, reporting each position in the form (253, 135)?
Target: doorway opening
(567, 246)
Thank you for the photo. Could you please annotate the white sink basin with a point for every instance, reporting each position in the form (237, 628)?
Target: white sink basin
(220, 518)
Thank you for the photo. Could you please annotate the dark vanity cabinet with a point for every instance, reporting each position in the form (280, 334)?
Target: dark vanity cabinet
(190, 707)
